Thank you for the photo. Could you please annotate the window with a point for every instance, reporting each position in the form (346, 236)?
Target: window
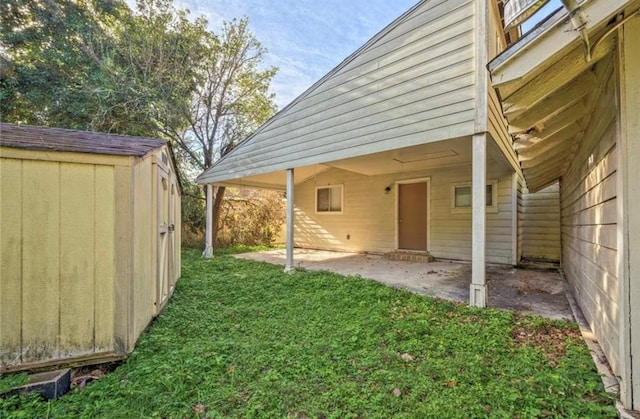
(329, 199)
(461, 197)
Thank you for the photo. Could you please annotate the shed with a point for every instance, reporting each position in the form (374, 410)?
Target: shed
(90, 243)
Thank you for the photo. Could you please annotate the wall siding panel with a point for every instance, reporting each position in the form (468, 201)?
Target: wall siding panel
(411, 84)
(10, 260)
(40, 260)
(77, 252)
(77, 257)
(145, 235)
(541, 224)
(104, 268)
(589, 222)
(369, 215)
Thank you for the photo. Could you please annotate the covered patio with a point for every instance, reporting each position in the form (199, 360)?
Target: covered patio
(538, 290)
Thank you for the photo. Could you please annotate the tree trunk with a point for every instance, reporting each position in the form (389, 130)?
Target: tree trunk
(217, 204)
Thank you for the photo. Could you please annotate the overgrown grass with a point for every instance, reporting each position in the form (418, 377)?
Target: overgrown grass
(243, 339)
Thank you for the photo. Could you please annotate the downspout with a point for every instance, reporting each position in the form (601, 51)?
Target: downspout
(579, 24)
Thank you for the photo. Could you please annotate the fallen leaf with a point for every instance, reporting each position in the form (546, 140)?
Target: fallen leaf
(198, 408)
(396, 392)
(452, 383)
(407, 357)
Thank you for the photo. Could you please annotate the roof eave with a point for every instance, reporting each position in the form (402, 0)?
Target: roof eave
(547, 41)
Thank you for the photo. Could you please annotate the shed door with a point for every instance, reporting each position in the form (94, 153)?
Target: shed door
(412, 216)
(166, 248)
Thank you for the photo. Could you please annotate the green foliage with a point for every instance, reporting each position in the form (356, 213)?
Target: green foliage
(244, 339)
(96, 65)
(193, 216)
(250, 217)
(100, 66)
(50, 56)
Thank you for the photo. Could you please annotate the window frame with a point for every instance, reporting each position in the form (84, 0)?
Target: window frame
(489, 208)
(329, 212)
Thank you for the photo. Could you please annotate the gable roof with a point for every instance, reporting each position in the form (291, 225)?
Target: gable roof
(412, 83)
(58, 139)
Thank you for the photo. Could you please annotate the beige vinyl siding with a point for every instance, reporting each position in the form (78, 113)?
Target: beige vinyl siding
(541, 224)
(367, 214)
(411, 84)
(496, 124)
(451, 232)
(589, 222)
(498, 129)
(368, 218)
(520, 216)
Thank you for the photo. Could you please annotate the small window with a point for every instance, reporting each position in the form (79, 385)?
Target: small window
(329, 199)
(461, 197)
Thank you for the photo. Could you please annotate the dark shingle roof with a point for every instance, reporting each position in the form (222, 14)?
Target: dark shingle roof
(57, 139)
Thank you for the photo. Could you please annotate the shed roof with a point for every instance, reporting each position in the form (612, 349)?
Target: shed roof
(58, 139)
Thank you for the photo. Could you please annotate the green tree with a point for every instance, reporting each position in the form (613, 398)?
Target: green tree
(98, 65)
(231, 100)
(50, 53)
(95, 65)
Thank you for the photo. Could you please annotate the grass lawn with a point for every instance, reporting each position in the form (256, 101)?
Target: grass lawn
(243, 339)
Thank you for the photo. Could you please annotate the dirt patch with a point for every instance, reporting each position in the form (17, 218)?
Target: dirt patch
(551, 340)
(82, 376)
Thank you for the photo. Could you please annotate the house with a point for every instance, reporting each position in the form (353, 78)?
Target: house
(90, 249)
(570, 90)
(393, 148)
(447, 135)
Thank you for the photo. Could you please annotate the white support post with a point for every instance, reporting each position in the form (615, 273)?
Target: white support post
(208, 245)
(478, 289)
(289, 267)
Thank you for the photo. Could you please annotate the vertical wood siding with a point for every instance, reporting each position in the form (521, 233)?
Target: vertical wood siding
(541, 224)
(144, 244)
(56, 294)
(368, 218)
(411, 84)
(589, 221)
(10, 260)
(78, 255)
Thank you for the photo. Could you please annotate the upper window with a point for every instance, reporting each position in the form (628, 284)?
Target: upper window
(329, 199)
(461, 197)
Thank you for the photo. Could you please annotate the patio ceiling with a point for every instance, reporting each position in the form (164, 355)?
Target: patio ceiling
(431, 156)
(548, 86)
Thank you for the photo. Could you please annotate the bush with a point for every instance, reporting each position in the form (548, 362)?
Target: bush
(248, 217)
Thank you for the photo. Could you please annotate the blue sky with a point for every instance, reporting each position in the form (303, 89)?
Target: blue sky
(305, 39)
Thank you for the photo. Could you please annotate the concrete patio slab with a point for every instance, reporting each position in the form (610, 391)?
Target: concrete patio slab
(535, 291)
